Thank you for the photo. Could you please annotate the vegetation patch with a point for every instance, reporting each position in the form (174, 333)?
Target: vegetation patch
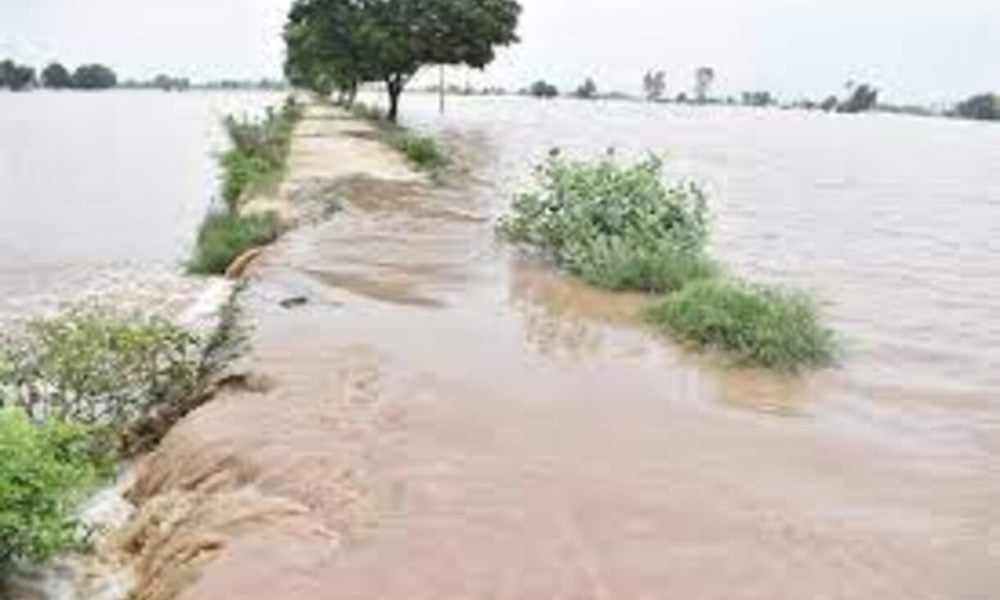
(616, 226)
(76, 391)
(256, 161)
(421, 150)
(44, 472)
(224, 236)
(756, 326)
(621, 227)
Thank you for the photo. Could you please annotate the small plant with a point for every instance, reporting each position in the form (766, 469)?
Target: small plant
(44, 471)
(756, 326)
(619, 227)
(224, 236)
(421, 150)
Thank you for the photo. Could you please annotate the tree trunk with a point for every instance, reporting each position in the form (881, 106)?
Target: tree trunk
(352, 95)
(395, 88)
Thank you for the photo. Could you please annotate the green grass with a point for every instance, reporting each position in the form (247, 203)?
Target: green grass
(421, 150)
(619, 227)
(224, 236)
(256, 161)
(752, 325)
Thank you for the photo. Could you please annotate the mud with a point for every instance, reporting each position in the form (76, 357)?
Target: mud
(444, 420)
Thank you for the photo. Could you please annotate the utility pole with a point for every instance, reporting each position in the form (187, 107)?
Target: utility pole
(441, 90)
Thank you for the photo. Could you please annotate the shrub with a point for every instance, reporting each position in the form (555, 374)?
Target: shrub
(44, 470)
(616, 226)
(421, 150)
(754, 325)
(224, 236)
(98, 367)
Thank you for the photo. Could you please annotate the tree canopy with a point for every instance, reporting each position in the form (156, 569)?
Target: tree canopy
(340, 44)
(56, 77)
(543, 89)
(587, 90)
(16, 77)
(94, 77)
(863, 97)
(654, 84)
(984, 107)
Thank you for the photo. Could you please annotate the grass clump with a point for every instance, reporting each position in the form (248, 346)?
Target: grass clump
(756, 326)
(44, 472)
(259, 152)
(619, 227)
(421, 150)
(224, 236)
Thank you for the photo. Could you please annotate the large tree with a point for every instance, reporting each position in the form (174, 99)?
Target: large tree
(94, 77)
(703, 79)
(16, 77)
(56, 77)
(388, 41)
(654, 84)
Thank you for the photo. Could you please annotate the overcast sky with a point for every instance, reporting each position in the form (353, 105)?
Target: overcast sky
(923, 50)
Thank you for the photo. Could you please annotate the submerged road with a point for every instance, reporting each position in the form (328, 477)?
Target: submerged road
(442, 421)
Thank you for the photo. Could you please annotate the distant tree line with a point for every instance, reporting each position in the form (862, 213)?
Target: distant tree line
(16, 78)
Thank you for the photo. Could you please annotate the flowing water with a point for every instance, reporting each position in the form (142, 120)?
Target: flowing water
(101, 194)
(445, 419)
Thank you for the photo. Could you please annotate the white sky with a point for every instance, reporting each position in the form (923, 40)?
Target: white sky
(923, 50)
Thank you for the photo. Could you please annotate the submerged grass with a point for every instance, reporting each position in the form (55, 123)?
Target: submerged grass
(622, 228)
(755, 326)
(224, 236)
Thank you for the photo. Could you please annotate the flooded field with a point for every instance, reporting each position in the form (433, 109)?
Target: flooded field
(101, 194)
(444, 419)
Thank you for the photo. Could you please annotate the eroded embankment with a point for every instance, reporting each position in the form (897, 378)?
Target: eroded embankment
(429, 419)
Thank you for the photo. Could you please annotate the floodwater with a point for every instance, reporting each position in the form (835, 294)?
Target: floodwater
(101, 194)
(446, 419)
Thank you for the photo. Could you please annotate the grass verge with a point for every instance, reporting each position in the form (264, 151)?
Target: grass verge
(256, 161)
(224, 236)
(422, 151)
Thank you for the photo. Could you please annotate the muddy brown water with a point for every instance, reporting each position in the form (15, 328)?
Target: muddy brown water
(443, 419)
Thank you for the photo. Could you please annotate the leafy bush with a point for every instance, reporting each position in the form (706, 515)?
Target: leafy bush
(616, 226)
(421, 150)
(98, 367)
(224, 236)
(754, 325)
(259, 152)
(44, 470)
